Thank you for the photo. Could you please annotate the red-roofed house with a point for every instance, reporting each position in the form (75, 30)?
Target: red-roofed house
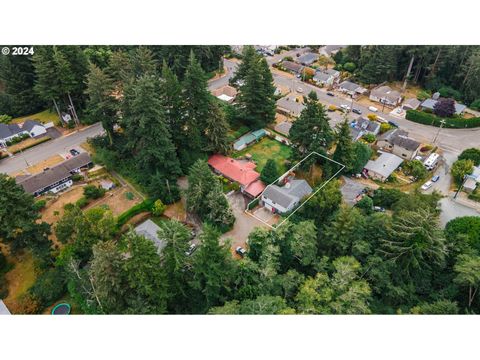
(239, 171)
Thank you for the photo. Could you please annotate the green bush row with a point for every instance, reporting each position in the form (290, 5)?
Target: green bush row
(145, 205)
(422, 117)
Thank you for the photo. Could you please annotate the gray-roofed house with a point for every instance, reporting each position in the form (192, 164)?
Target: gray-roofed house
(333, 72)
(284, 199)
(34, 128)
(429, 104)
(323, 79)
(411, 104)
(149, 230)
(291, 66)
(283, 128)
(330, 50)
(307, 59)
(362, 126)
(289, 106)
(55, 179)
(3, 309)
(472, 180)
(8, 132)
(351, 88)
(386, 95)
(383, 166)
(398, 142)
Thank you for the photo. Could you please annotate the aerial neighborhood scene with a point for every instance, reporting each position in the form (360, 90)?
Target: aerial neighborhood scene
(240, 179)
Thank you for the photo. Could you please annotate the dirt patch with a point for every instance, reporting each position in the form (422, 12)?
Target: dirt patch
(38, 168)
(19, 279)
(282, 73)
(117, 200)
(27, 143)
(176, 211)
(88, 148)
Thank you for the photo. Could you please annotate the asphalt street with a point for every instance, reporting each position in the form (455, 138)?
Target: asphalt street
(46, 150)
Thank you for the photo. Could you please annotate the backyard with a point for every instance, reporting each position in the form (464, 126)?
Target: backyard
(267, 149)
(44, 117)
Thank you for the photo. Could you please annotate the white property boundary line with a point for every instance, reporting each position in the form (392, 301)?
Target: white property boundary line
(283, 175)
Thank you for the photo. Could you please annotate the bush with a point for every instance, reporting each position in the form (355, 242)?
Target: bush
(423, 95)
(93, 192)
(77, 177)
(449, 92)
(387, 197)
(39, 205)
(366, 205)
(370, 138)
(444, 107)
(416, 169)
(373, 117)
(475, 105)
(426, 148)
(422, 117)
(471, 154)
(38, 142)
(385, 127)
(158, 208)
(252, 204)
(49, 287)
(82, 202)
(349, 66)
(145, 205)
(460, 168)
(5, 119)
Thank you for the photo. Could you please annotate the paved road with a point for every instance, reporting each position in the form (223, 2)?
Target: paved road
(230, 71)
(46, 150)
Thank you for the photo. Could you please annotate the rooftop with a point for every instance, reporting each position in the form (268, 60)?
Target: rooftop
(283, 128)
(308, 58)
(291, 192)
(236, 170)
(384, 165)
(149, 230)
(289, 65)
(289, 104)
(430, 104)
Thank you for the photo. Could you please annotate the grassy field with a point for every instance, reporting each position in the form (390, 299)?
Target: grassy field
(267, 149)
(44, 117)
(19, 279)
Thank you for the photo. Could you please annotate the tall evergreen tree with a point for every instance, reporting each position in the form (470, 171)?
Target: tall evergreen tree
(344, 152)
(216, 131)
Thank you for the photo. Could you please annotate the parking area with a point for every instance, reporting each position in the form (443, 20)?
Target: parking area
(266, 215)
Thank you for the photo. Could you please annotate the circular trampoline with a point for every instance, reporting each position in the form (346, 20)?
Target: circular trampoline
(61, 309)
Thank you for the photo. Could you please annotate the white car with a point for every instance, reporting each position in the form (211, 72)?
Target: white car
(299, 90)
(382, 120)
(345, 107)
(372, 108)
(427, 185)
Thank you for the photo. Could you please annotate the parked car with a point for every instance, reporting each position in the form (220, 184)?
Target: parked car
(393, 123)
(436, 178)
(372, 109)
(74, 152)
(381, 120)
(357, 111)
(299, 90)
(329, 93)
(241, 251)
(378, 209)
(345, 107)
(332, 108)
(427, 185)
(191, 249)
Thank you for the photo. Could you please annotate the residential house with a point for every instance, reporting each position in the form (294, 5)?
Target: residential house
(240, 171)
(429, 104)
(411, 104)
(149, 230)
(383, 166)
(3, 309)
(307, 59)
(226, 93)
(386, 95)
(292, 67)
(362, 126)
(283, 128)
(398, 142)
(323, 79)
(289, 105)
(242, 142)
(285, 198)
(351, 88)
(66, 117)
(8, 132)
(472, 180)
(57, 178)
(332, 72)
(330, 50)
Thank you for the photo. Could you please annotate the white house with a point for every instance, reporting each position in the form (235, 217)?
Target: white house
(383, 167)
(351, 88)
(8, 132)
(386, 95)
(34, 128)
(284, 199)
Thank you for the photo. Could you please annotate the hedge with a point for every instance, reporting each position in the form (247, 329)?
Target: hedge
(422, 117)
(145, 205)
(40, 141)
(252, 204)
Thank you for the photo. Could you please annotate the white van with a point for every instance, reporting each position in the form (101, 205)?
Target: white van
(372, 108)
(432, 161)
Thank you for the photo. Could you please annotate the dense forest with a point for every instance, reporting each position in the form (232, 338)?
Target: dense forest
(161, 123)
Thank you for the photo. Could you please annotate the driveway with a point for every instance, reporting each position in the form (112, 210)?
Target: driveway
(350, 190)
(452, 209)
(46, 150)
(244, 223)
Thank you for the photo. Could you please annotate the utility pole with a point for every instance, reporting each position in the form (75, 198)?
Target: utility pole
(461, 186)
(442, 122)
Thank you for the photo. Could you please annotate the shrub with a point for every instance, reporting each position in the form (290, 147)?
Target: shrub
(449, 92)
(145, 205)
(366, 205)
(93, 192)
(5, 119)
(471, 154)
(387, 197)
(423, 117)
(370, 138)
(39, 205)
(77, 177)
(416, 169)
(349, 66)
(82, 202)
(423, 95)
(384, 127)
(444, 107)
(129, 195)
(475, 105)
(373, 117)
(426, 148)
(252, 204)
(158, 208)
(49, 287)
(39, 141)
(460, 168)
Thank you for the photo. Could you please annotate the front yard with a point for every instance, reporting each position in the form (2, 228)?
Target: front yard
(267, 149)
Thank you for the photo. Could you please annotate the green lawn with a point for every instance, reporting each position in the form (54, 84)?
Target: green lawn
(44, 117)
(267, 149)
